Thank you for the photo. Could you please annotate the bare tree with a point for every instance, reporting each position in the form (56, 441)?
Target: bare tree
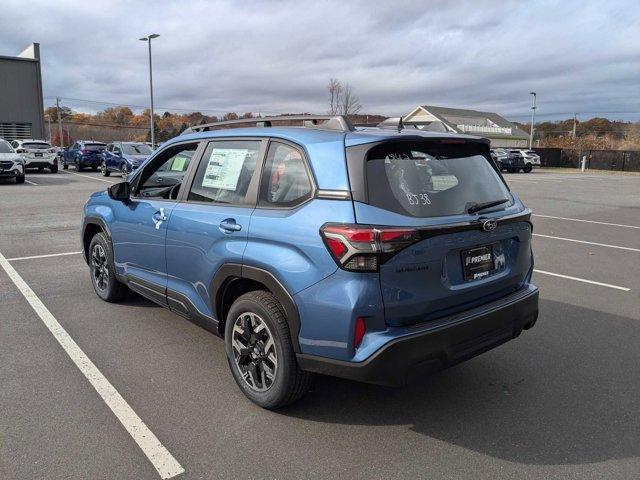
(349, 103)
(335, 91)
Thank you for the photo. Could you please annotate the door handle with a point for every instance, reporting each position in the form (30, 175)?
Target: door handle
(158, 218)
(229, 225)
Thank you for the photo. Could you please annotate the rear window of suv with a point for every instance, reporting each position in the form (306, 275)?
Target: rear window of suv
(430, 179)
(36, 145)
(94, 147)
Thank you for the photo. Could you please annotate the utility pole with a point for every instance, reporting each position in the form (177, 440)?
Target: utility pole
(574, 125)
(148, 40)
(49, 123)
(59, 122)
(533, 119)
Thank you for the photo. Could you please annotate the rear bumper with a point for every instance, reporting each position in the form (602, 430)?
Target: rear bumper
(438, 344)
(90, 160)
(40, 162)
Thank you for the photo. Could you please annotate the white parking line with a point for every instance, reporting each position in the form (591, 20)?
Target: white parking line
(165, 464)
(586, 221)
(583, 280)
(42, 256)
(588, 243)
(31, 183)
(89, 176)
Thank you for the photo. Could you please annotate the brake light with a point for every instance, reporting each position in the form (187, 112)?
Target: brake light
(361, 247)
(359, 330)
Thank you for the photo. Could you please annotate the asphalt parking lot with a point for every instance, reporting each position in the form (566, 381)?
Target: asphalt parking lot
(561, 401)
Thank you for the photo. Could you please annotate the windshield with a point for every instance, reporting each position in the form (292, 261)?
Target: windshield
(428, 179)
(5, 147)
(136, 149)
(36, 146)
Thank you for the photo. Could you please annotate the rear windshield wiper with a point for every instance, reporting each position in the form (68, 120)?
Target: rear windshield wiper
(476, 207)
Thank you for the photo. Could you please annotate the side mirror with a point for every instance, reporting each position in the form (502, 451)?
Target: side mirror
(120, 191)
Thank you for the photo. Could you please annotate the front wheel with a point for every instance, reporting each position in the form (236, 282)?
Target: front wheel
(260, 354)
(103, 274)
(527, 168)
(20, 178)
(123, 170)
(104, 170)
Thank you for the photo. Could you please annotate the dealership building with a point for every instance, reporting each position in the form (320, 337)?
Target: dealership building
(21, 102)
(500, 131)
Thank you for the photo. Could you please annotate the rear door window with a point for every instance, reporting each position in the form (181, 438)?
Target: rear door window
(429, 179)
(225, 172)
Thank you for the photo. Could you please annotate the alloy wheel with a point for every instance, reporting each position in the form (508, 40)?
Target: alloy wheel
(99, 267)
(254, 351)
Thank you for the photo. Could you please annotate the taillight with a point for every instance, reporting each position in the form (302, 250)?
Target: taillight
(362, 248)
(359, 331)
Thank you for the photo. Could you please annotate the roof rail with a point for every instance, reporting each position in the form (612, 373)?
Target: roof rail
(326, 122)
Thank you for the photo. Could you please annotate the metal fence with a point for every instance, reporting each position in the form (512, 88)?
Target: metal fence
(621, 160)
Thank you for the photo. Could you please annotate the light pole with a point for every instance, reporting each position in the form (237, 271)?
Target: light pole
(148, 40)
(533, 119)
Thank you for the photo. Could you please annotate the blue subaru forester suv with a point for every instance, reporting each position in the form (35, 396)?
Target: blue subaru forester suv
(373, 254)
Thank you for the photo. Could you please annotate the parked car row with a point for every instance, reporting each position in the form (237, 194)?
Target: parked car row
(515, 160)
(120, 157)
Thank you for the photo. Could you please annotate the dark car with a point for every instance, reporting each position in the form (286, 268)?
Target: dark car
(513, 162)
(84, 154)
(124, 157)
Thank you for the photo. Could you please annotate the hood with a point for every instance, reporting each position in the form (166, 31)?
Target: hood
(136, 158)
(10, 156)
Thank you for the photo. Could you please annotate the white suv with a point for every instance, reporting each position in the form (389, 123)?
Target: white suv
(37, 154)
(11, 164)
(531, 159)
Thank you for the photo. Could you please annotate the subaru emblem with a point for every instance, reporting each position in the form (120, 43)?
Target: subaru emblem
(489, 225)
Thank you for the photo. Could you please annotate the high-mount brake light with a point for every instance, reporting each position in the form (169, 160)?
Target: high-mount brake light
(360, 247)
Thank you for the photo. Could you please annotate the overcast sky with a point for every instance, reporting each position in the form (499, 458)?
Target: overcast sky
(271, 57)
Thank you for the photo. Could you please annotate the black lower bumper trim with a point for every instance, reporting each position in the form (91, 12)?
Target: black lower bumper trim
(438, 344)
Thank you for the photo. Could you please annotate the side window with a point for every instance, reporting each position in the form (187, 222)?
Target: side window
(109, 147)
(163, 176)
(285, 181)
(225, 172)
(116, 150)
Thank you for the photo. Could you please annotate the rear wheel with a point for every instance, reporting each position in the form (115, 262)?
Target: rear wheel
(53, 168)
(511, 170)
(101, 266)
(78, 165)
(105, 171)
(260, 354)
(527, 168)
(65, 166)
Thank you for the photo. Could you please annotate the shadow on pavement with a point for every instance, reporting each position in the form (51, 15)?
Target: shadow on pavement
(565, 392)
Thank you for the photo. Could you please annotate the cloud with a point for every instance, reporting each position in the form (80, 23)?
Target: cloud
(275, 57)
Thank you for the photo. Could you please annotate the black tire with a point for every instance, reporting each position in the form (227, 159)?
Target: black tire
(19, 178)
(289, 383)
(108, 288)
(65, 166)
(78, 165)
(511, 170)
(105, 171)
(527, 168)
(53, 168)
(123, 170)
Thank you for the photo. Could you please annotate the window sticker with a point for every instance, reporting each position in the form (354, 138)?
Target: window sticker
(178, 164)
(224, 167)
